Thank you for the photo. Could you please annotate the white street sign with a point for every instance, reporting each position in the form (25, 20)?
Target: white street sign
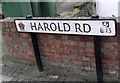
(93, 27)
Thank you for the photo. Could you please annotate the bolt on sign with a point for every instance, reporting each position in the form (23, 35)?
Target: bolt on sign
(93, 27)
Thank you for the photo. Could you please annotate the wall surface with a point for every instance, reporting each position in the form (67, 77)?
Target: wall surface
(74, 53)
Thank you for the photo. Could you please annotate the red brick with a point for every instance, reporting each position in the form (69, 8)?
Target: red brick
(24, 35)
(51, 36)
(58, 37)
(109, 62)
(92, 60)
(13, 30)
(48, 54)
(89, 44)
(118, 40)
(6, 29)
(119, 51)
(10, 24)
(3, 24)
(110, 51)
(108, 39)
(57, 55)
(81, 44)
(93, 64)
(30, 52)
(90, 54)
(50, 50)
(116, 46)
(31, 60)
(6, 24)
(32, 57)
(86, 38)
(65, 37)
(82, 54)
(73, 42)
(14, 34)
(107, 56)
(89, 50)
(74, 57)
(82, 49)
(22, 52)
(74, 38)
(73, 52)
(7, 34)
(107, 45)
(57, 41)
(75, 48)
(82, 63)
(60, 46)
(66, 42)
(43, 36)
(67, 52)
(64, 57)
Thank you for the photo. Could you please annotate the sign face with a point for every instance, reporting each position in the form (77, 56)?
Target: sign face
(93, 27)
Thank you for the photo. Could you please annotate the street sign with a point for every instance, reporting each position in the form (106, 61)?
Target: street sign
(93, 27)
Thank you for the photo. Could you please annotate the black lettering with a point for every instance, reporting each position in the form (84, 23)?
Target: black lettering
(53, 26)
(40, 27)
(33, 26)
(66, 25)
(77, 26)
(59, 28)
(85, 27)
(46, 26)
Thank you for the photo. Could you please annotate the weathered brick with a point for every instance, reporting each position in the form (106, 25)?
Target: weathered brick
(74, 38)
(81, 44)
(74, 52)
(89, 44)
(90, 54)
(65, 37)
(92, 60)
(90, 50)
(116, 46)
(86, 58)
(13, 30)
(58, 37)
(92, 64)
(107, 56)
(67, 52)
(3, 24)
(66, 42)
(112, 72)
(6, 24)
(108, 39)
(108, 51)
(7, 34)
(48, 54)
(109, 62)
(24, 35)
(107, 45)
(30, 52)
(62, 49)
(82, 53)
(14, 34)
(74, 57)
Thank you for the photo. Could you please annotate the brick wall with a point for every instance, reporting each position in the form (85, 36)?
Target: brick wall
(75, 53)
